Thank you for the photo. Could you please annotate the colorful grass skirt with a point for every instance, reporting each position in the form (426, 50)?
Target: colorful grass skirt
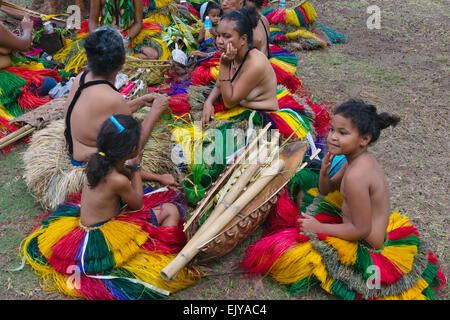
(402, 269)
(118, 259)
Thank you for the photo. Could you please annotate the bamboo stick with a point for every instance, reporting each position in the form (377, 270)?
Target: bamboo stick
(219, 182)
(229, 198)
(15, 133)
(184, 256)
(17, 137)
(31, 12)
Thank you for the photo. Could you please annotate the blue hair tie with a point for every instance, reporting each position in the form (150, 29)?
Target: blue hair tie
(120, 128)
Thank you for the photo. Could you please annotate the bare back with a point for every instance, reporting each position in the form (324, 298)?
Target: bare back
(94, 105)
(367, 169)
(101, 203)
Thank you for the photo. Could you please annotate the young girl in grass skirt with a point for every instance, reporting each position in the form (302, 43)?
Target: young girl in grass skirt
(346, 240)
(92, 248)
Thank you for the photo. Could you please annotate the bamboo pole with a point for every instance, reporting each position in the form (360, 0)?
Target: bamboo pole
(186, 255)
(230, 197)
(15, 133)
(20, 135)
(31, 12)
(219, 182)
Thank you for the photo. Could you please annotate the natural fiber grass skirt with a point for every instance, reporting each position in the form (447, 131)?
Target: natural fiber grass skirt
(118, 259)
(50, 175)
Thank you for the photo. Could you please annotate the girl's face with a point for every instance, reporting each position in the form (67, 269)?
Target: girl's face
(344, 137)
(227, 33)
(231, 5)
(214, 15)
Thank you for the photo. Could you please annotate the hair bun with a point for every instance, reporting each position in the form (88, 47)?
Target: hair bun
(385, 120)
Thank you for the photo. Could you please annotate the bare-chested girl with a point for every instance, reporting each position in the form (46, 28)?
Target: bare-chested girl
(361, 181)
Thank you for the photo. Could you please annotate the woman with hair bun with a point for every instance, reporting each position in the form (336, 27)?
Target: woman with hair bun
(246, 77)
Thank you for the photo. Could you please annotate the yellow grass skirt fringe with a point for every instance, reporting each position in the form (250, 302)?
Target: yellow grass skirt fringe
(108, 261)
(403, 269)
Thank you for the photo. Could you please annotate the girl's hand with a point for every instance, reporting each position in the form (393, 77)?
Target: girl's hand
(229, 54)
(26, 23)
(168, 180)
(326, 163)
(137, 160)
(208, 113)
(309, 224)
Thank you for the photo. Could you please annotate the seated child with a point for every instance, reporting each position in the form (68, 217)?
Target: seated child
(110, 181)
(212, 11)
(346, 239)
(9, 41)
(361, 180)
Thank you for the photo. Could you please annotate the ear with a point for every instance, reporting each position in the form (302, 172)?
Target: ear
(365, 140)
(244, 39)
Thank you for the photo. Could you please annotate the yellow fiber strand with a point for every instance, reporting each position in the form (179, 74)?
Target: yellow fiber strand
(147, 267)
(123, 239)
(284, 65)
(402, 256)
(57, 229)
(33, 65)
(313, 191)
(396, 220)
(215, 71)
(293, 265)
(223, 115)
(291, 18)
(346, 250)
(335, 198)
(310, 11)
(5, 114)
(159, 17)
(161, 3)
(414, 293)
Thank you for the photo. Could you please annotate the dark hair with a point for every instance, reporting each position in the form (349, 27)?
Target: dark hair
(105, 51)
(258, 3)
(246, 20)
(210, 6)
(365, 118)
(112, 146)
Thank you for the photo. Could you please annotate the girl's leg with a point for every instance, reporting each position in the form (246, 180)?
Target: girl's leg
(167, 215)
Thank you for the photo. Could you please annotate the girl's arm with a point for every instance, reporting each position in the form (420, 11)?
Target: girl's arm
(136, 27)
(94, 14)
(11, 41)
(208, 107)
(165, 179)
(130, 191)
(358, 218)
(201, 35)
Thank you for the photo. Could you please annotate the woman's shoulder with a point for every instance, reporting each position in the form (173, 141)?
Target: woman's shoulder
(258, 58)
